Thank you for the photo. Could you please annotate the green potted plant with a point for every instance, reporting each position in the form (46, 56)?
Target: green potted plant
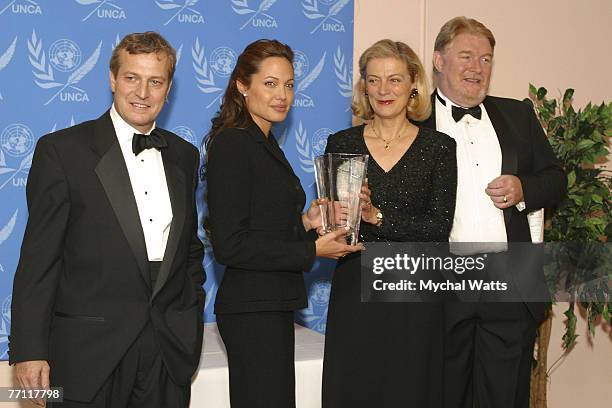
(580, 139)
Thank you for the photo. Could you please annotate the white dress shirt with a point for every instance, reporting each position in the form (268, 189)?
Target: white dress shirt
(479, 160)
(148, 180)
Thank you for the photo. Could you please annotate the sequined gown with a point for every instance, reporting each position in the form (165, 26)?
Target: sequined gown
(391, 354)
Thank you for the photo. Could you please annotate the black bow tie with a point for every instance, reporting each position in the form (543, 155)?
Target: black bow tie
(458, 112)
(142, 142)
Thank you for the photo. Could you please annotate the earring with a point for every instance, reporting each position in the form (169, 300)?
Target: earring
(365, 93)
(414, 93)
(244, 94)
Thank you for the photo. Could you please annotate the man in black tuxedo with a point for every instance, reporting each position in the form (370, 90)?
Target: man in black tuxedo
(107, 297)
(506, 168)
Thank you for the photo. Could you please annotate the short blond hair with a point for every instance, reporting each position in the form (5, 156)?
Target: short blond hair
(419, 107)
(461, 25)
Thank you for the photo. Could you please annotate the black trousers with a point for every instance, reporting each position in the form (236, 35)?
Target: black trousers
(488, 355)
(260, 351)
(139, 381)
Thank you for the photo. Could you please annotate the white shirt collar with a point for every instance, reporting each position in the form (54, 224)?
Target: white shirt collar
(450, 103)
(125, 132)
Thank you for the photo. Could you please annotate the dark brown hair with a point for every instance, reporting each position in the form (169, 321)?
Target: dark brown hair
(144, 43)
(233, 111)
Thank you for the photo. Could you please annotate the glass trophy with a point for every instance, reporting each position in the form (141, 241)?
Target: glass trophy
(339, 177)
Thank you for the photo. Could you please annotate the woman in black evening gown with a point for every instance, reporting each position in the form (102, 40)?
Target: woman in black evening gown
(391, 354)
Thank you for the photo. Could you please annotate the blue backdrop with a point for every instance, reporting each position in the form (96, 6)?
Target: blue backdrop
(54, 73)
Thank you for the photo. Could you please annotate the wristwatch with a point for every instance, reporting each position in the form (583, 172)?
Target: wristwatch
(379, 218)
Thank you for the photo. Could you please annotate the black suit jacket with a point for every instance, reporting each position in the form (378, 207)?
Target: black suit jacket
(82, 291)
(526, 154)
(255, 204)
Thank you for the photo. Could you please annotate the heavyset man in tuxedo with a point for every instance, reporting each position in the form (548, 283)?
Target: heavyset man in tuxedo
(506, 168)
(107, 297)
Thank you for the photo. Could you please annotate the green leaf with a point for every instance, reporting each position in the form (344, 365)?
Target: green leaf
(598, 199)
(571, 179)
(541, 93)
(568, 95)
(584, 144)
(532, 90)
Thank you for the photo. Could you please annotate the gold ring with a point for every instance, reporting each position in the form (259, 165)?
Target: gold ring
(505, 199)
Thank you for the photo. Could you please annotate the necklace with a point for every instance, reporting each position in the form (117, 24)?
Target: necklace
(385, 141)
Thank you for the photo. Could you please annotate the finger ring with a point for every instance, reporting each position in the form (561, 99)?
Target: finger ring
(505, 199)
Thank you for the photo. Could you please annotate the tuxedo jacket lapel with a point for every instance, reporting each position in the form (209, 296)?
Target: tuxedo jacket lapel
(113, 174)
(177, 186)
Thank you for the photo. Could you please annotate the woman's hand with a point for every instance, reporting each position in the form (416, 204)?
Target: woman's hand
(368, 211)
(333, 245)
(312, 217)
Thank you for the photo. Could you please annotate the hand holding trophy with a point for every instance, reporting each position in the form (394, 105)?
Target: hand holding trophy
(339, 179)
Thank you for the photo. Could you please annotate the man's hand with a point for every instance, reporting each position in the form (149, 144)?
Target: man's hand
(33, 375)
(505, 191)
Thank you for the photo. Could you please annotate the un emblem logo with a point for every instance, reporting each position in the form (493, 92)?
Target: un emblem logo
(222, 61)
(303, 100)
(185, 133)
(17, 140)
(319, 292)
(315, 315)
(319, 141)
(300, 64)
(64, 55)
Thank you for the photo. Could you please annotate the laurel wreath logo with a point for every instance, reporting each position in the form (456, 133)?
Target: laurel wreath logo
(345, 80)
(311, 11)
(5, 321)
(6, 57)
(302, 145)
(242, 7)
(24, 166)
(100, 3)
(54, 128)
(204, 75)
(7, 230)
(115, 43)
(311, 77)
(171, 5)
(45, 75)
